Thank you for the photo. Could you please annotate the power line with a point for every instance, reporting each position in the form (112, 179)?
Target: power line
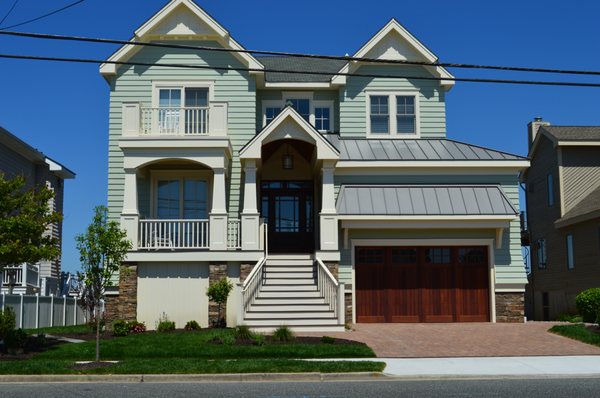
(44, 16)
(297, 55)
(9, 11)
(239, 69)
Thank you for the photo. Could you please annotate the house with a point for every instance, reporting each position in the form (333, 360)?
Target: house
(563, 212)
(17, 158)
(327, 198)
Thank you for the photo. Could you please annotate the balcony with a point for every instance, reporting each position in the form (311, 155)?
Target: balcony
(141, 121)
(24, 275)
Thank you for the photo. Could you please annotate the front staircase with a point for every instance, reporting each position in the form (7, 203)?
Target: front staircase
(289, 295)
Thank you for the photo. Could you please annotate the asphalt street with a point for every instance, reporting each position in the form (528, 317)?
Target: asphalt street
(514, 388)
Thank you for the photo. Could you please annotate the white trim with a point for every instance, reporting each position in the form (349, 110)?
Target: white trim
(182, 85)
(392, 113)
(324, 104)
(393, 25)
(292, 85)
(221, 34)
(429, 242)
(194, 256)
(579, 143)
(423, 223)
(443, 164)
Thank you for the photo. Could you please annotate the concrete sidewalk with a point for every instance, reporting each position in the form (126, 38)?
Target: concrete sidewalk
(536, 366)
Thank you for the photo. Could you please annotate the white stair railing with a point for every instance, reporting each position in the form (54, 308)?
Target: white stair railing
(255, 280)
(331, 290)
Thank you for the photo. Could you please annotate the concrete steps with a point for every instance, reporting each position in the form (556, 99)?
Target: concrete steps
(290, 297)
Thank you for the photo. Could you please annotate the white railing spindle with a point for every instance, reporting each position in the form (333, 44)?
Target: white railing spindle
(174, 121)
(173, 234)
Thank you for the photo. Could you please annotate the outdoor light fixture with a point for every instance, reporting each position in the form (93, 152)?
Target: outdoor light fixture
(287, 159)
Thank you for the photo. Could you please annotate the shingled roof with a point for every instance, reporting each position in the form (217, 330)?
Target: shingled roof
(573, 133)
(299, 64)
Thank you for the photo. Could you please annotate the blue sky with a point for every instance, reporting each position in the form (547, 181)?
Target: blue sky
(62, 109)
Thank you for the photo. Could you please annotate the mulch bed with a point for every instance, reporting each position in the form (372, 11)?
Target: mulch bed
(92, 365)
(33, 346)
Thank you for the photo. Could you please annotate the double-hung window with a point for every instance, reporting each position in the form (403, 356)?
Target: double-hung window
(181, 109)
(319, 113)
(541, 253)
(392, 115)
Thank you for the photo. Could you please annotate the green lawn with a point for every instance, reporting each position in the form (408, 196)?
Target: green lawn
(193, 352)
(577, 332)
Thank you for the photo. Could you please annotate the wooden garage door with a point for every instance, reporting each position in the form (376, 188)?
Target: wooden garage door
(422, 284)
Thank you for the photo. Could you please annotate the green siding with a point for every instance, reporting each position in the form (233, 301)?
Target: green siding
(134, 83)
(353, 100)
(508, 259)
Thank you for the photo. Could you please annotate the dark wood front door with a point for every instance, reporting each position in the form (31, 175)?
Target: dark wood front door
(287, 207)
(422, 284)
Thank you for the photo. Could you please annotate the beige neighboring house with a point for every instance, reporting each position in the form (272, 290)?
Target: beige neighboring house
(19, 158)
(563, 212)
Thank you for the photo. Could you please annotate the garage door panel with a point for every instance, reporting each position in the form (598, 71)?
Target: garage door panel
(371, 291)
(426, 284)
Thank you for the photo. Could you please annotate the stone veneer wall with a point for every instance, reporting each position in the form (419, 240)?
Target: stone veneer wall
(334, 268)
(510, 307)
(215, 273)
(123, 305)
(348, 305)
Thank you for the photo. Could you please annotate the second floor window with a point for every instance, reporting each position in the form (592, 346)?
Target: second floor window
(392, 115)
(322, 119)
(181, 110)
(541, 253)
(550, 187)
(570, 252)
(302, 106)
(270, 113)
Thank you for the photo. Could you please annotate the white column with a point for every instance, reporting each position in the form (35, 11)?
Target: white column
(328, 215)
(130, 216)
(250, 214)
(218, 213)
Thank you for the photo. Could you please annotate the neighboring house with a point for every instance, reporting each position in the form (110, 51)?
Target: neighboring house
(365, 210)
(563, 212)
(19, 158)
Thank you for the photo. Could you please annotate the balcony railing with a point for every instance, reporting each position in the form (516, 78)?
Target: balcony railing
(174, 234)
(174, 121)
(20, 275)
(234, 234)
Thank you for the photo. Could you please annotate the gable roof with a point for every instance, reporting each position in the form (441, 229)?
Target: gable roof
(288, 124)
(424, 200)
(572, 133)
(587, 209)
(197, 23)
(420, 53)
(299, 64)
(424, 149)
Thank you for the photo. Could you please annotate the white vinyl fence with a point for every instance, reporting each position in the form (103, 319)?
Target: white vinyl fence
(34, 311)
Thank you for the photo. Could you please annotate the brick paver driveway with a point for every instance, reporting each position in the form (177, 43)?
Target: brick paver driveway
(410, 340)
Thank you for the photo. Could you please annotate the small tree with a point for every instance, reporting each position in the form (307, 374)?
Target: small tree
(218, 293)
(25, 218)
(102, 249)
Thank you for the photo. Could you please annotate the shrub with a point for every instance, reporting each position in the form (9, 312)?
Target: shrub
(164, 325)
(7, 322)
(569, 318)
(588, 304)
(243, 332)
(284, 334)
(327, 340)
(192, 325)
(120, 328)
(218, 293)
(259, 339)
(228, 339)
(15, 340)
(136, 327)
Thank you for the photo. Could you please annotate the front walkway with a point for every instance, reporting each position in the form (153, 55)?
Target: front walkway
(436, 340)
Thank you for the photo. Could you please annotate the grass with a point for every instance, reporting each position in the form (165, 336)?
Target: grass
(191, 366)
(577, 332)
(192, 352)
(77, 329)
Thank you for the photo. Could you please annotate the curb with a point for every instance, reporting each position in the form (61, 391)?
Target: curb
(194, 378)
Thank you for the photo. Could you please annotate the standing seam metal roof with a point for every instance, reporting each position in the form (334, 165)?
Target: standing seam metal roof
(414, 149)
(426, 200)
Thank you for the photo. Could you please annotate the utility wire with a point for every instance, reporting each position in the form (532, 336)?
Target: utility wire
(44, 16)
(9, 11)
(240, 69)
(297, 55)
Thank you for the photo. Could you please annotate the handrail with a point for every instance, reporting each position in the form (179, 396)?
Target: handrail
(253, 283)
(328, 287)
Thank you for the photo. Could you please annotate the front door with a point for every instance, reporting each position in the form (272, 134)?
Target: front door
(287, 207)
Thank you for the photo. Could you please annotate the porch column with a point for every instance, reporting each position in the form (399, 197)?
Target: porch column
(130, 216)
(328, 215)
(218, 212)
(250, 214)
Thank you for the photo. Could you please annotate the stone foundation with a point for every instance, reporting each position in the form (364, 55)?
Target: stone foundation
(334, 269)
(245, 270)
(123, 305)
(348, 305)
(510, 307)
(216, 272)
